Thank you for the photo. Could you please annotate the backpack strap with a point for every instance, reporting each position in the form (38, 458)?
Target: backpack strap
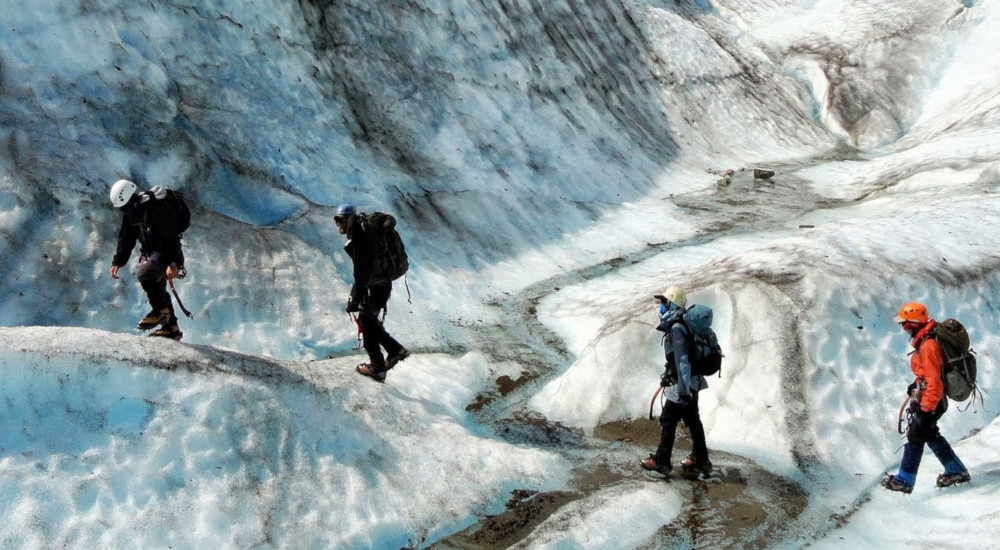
(687, 326)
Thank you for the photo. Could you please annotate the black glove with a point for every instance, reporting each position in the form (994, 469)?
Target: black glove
(684, 400)
(669, 376)
(352, 306)
(911, 388)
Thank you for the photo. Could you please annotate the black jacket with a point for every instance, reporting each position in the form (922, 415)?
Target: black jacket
(361, 250)
(153, 224)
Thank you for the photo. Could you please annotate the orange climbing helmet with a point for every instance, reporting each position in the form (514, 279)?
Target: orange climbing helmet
(913, 311)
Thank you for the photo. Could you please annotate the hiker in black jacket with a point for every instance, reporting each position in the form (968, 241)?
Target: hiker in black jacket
(148, 219)
(368, 298)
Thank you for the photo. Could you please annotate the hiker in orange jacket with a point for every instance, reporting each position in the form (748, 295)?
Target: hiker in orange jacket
(927, 404)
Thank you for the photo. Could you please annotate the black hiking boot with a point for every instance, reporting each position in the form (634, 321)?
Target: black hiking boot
(169, 330)
(391, 361)
(154, 318)
(947, 480)
(690, 465)
(366, 369)
(650, 463)
(894, 483)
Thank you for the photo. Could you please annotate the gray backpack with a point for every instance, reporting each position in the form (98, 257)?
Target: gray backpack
(703, 344)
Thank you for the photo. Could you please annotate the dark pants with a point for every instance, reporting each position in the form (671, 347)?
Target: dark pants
(152, 275)
(375, 335)
(672, 414)
(925, 431)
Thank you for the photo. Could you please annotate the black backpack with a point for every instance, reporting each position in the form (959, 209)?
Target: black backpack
(179, 212)
(959, 370)
(390, 260)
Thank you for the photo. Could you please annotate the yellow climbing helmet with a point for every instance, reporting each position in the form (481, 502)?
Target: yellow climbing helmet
(675, 295)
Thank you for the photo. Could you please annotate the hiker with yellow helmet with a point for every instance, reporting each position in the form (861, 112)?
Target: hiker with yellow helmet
(681, 388)
(928, 403)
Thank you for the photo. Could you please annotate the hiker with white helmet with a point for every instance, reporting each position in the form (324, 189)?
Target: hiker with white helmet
(681, 388)
(156, 219)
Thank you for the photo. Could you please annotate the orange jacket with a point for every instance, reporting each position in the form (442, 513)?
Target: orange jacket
(926, 364)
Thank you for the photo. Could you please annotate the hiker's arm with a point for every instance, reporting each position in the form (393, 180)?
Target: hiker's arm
(363, 257)
(127, 235)
(931, 360)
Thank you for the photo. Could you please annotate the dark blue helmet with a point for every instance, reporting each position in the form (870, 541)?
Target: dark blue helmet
(344, 216)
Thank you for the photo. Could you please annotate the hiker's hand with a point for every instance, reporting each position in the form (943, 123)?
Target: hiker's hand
(911, 389)
(669, 376)
(114, 272)
(684, 400)
(172, 272)
(352, 306)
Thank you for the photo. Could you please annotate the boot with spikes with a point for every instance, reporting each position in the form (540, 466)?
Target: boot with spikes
(154, 318)
(895, 483)
(169, 330)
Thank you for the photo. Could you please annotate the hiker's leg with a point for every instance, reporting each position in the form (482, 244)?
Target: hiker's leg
(669, 418)
(152, 276)
(692, 418)
(944, 453)
(917, 433)
(373, 333)
(912, 453)
(378, 299)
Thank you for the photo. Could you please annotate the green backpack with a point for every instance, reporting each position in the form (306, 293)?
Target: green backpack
(959, 370)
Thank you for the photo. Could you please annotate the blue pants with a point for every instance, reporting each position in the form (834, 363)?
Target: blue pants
(925, 431)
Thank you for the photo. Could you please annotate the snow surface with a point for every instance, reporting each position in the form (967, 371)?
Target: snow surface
(552, 166)
(113, 441)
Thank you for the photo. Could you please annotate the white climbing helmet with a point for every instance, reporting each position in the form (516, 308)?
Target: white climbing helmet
(121, 192)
